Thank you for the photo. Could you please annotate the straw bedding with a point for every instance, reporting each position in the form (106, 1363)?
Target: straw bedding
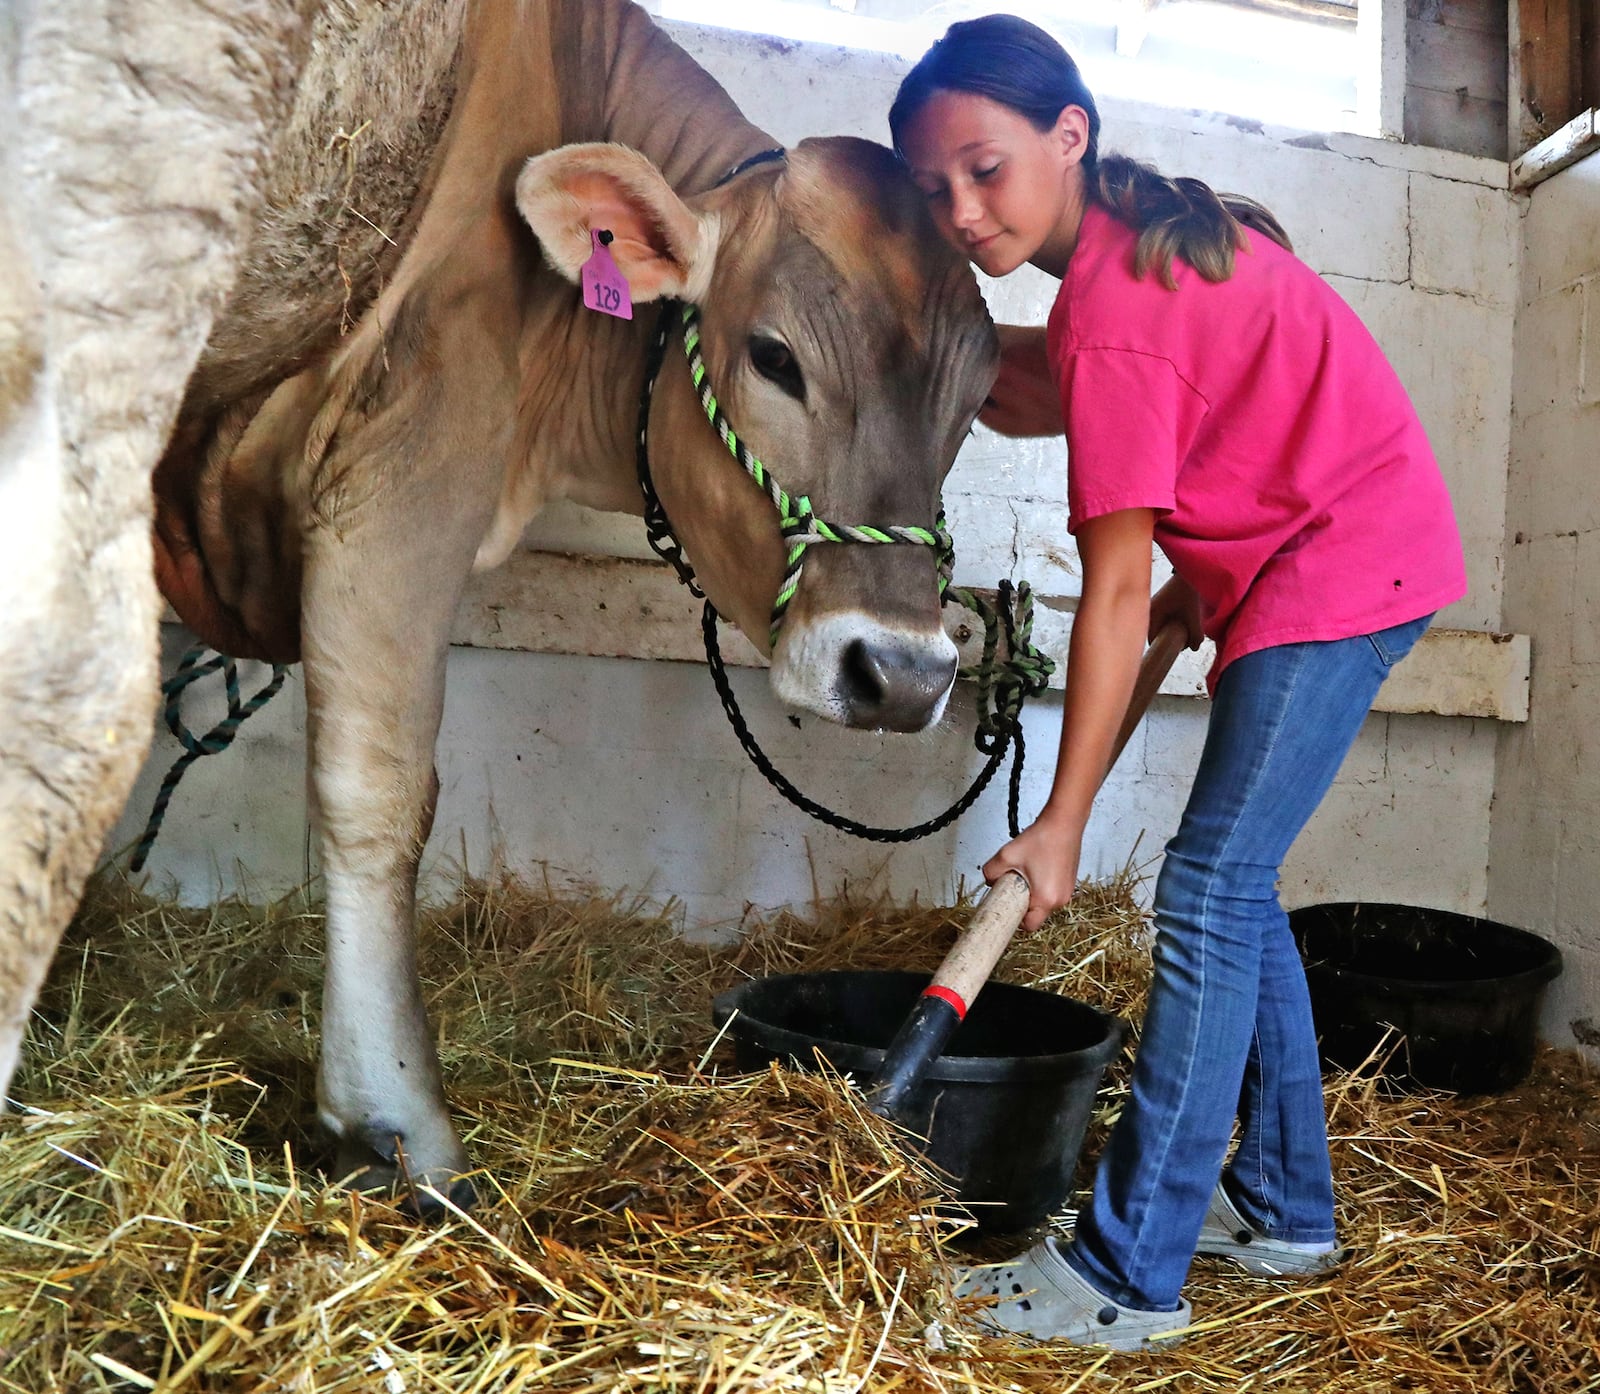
(650, 1221)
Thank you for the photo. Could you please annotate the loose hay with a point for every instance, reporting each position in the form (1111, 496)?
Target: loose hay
(650, 1222)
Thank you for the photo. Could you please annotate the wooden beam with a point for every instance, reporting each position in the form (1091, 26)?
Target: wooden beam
(1547, 68)
(1455, 76)
(620, 607)
(550, 602)
(1578, 138)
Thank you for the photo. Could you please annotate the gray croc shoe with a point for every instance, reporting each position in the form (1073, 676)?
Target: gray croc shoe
(1228, 1234)
(1042, 1295)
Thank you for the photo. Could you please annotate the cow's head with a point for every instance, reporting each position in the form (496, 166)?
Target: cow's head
(849, 346)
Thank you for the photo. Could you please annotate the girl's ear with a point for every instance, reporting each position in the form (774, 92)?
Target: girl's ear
(661, 245)
(1072, 133)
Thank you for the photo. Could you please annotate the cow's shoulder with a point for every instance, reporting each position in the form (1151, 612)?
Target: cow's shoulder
(341, 191)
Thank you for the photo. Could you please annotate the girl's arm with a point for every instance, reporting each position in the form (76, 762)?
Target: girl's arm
(1108, 635)
(1025, 400)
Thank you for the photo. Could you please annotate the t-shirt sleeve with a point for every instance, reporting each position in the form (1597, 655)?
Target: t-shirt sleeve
(1131, 419)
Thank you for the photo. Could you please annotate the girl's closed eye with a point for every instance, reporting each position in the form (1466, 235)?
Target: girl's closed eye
(988, 172)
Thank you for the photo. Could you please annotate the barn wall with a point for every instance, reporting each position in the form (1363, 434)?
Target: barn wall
(1456, 66)
(1544, 864)
(623, 773)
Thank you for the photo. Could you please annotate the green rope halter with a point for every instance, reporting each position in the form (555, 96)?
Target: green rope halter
(800, 525)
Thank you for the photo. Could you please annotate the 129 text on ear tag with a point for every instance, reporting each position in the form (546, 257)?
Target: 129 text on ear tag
(605, 289)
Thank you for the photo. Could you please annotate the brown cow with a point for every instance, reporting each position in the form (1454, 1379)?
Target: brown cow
(405, 375)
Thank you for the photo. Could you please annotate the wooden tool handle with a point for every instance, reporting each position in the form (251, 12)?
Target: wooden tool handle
(1170, 640)
(967, 966)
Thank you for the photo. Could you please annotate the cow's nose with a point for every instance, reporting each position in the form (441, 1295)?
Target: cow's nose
(892, 686)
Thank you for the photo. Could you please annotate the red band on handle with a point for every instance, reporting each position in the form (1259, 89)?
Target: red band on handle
(944, 994)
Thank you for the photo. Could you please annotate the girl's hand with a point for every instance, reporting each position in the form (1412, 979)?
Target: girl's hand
(1046, 853)
(1177, 600)
(1025, 400)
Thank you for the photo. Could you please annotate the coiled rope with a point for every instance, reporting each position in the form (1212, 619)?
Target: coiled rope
(193, 667)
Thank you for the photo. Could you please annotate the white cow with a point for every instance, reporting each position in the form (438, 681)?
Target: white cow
(405, 374)
(133, 135)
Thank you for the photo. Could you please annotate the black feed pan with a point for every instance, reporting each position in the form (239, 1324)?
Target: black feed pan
(1463, 992)
(1003, 1110)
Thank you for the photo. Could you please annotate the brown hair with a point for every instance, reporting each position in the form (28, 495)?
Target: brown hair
(1181, 217)
(1020, 66)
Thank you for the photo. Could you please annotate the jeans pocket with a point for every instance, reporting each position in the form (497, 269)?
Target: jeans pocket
(1394, 643)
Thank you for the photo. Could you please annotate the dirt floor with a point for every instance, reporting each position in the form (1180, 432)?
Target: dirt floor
(653, 1220)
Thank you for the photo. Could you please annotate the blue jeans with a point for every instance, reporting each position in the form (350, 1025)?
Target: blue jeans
(1228, 1030)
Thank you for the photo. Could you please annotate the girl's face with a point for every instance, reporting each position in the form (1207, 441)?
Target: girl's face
(1002, 191)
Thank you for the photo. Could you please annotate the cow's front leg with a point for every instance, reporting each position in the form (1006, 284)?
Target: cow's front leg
(378, 603)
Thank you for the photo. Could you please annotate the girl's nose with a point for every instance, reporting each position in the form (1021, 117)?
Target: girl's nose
(965, 209)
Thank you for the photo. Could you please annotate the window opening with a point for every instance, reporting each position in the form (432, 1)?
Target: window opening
(1282, 62)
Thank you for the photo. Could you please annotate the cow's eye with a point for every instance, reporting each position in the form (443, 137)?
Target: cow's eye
(774, 360)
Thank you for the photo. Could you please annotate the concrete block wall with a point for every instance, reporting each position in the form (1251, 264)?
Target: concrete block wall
(624, 774)
(1544, 854)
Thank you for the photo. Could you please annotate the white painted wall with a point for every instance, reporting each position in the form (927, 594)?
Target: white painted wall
(624, 774)
(1545, 849)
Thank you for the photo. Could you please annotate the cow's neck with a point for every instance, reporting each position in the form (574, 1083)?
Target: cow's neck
(655, 98)
(659, 101)
(584, 373)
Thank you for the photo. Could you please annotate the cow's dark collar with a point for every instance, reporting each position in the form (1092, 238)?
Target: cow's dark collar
(658, 530)
(761, 157)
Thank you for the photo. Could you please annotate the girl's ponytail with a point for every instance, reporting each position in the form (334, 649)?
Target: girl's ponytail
(1183, 218)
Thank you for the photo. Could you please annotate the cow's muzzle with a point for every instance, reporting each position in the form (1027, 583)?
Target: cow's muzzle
(860, 672)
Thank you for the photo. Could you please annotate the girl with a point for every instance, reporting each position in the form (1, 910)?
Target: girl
(1220, 401)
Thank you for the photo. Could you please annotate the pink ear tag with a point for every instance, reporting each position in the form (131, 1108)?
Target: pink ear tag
(605, 289)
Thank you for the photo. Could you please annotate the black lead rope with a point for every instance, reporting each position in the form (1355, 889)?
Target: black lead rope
(761, 157)
(196, 665)
(1009, 731)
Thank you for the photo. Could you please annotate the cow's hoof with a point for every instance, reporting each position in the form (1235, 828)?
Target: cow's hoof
(380, 1168)
(422, 1204)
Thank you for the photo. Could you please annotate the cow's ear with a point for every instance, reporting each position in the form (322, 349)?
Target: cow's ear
(659, 243)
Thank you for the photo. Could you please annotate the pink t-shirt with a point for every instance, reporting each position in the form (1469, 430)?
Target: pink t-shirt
(1294, 486)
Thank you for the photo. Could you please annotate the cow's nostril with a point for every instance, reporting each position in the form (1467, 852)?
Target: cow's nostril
(893, 685)
(863, 675)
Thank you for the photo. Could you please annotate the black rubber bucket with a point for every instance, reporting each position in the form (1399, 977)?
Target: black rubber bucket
(1003, 1110)
(1464, 992)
